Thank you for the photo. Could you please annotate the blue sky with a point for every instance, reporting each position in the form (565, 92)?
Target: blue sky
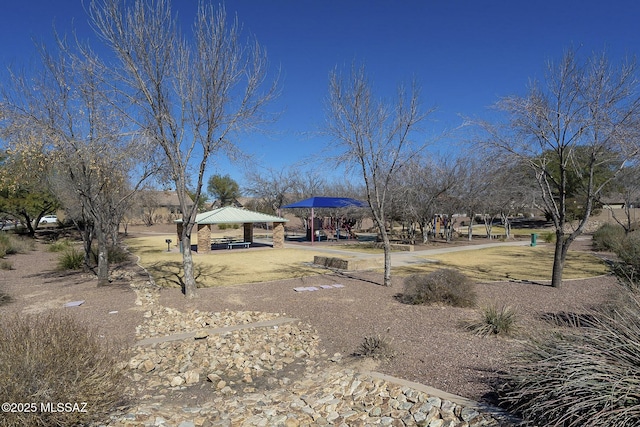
(465, 54)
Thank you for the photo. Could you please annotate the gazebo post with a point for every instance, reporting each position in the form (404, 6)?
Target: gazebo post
(278, 235)
(248, 232)
(312, 221)
(204, 238)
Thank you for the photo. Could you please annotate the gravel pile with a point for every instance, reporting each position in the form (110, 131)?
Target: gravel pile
(195, 368)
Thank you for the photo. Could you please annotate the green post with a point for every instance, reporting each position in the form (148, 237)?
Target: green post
(534, 238)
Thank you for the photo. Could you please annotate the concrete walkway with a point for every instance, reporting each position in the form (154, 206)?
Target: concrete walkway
(402, 258)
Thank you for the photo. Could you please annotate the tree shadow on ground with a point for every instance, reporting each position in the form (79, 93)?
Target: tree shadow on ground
(353, 275)
(170, 273)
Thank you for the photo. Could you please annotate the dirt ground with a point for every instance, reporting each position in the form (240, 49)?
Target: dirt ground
(430, 346)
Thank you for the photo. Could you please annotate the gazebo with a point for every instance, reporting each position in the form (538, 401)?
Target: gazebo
(325, 202)
(233, 215)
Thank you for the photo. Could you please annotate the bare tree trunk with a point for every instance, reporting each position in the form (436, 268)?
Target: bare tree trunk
(190, 285)
(189, 282)
(559, 257)
(424, 231)
(103, 257)
(386, 244)
(507, 225)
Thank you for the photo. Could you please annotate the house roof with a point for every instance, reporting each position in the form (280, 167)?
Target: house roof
(233, 215)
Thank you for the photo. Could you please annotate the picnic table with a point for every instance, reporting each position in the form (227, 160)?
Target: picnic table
(230, 242)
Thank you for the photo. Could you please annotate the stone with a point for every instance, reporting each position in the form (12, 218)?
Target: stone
(147, 366)
(270, 376)
(467, 414)
(291, 421)
(191, 377)
(200, 335)
(177, 381)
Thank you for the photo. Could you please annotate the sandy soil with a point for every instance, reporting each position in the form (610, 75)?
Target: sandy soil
(430, 346)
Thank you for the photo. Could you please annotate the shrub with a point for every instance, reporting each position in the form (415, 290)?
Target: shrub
(629, 250)
(549, 236)
(627, 269)
(493, 322)
(12, 244)
(608, 237)
(71, 259)
(115, 254)
(60, 246)
(376, 347)
(53, 358)
(580, 376)
(5, 265)
(228, 226)
(444, 286)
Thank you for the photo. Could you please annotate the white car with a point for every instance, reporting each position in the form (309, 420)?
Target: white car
(49, 219)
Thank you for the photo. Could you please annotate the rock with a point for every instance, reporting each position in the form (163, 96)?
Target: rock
(192, 377)
(177, 381)
(147, 366)
(262, 376)
(200, 335)
(467, 414)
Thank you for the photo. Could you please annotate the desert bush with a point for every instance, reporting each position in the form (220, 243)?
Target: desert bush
(376, 347)
(629, 250)
(53, 358)
(60, 246)
(608, 237)
(5, 265)
(228, 226)
(444, 286)
(493, 321)
(580, 376)
(71, 259)
(627, 270)
(115, 254)
(549, 236)
(13, 244)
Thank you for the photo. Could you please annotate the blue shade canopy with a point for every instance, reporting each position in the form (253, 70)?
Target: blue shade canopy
(327, 202)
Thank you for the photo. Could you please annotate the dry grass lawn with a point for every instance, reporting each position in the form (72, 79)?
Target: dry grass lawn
(223, 267)
(516, 262)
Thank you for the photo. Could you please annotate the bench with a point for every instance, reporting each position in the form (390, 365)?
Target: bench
(230, 245)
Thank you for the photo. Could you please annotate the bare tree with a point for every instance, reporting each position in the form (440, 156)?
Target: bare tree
(585, 118)
(273, 188)
(191, 96)
(62, 111)
(472, 182)
(374, 138)
(420, 188)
